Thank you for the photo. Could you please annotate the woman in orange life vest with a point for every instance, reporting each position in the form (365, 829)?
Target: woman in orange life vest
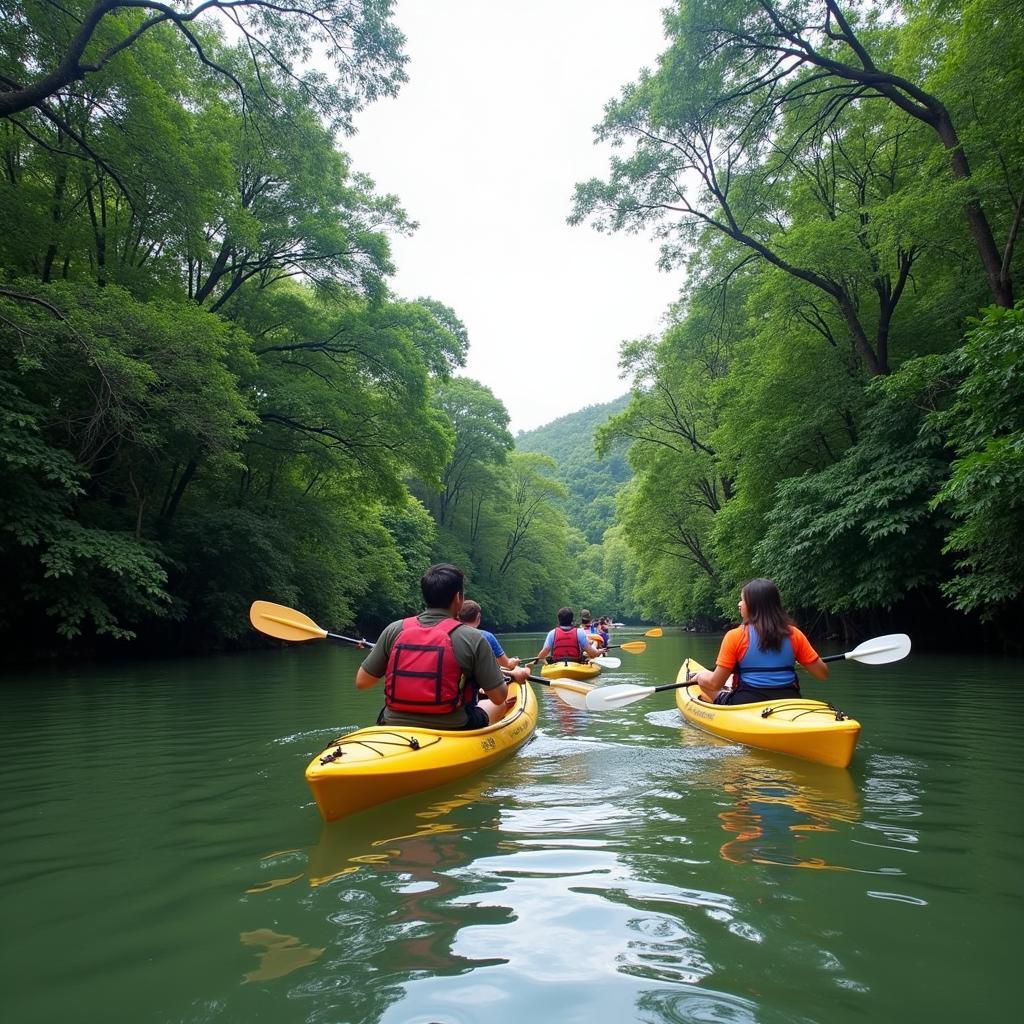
(762, 654)
(434, 665)
(564, 643)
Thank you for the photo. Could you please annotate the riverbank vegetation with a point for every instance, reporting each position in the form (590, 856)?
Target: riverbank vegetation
(209, 391)
(838, 401)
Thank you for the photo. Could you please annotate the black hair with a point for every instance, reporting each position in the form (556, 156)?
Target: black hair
(565, 616)
(440, 583)
(765, 613)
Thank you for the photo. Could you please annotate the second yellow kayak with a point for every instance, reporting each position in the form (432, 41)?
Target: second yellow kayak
(371, 766)
(584, 670)
(810, 729)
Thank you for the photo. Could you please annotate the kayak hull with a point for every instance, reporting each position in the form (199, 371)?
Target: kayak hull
(583, 671)
(808, 729)
(385, 762)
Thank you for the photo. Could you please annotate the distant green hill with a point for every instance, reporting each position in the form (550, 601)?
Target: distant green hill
(592, 484)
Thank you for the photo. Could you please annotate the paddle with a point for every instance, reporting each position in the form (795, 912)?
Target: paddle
(607, 662)
(285, 623)
(880, 651)
(632, 647)
(569, 692)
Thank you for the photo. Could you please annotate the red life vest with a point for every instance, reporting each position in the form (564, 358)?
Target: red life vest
(423, 677)
(566, 645)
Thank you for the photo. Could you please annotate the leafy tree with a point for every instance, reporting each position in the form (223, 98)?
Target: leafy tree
(48, 48)
(103, 387)
(984, 425)
(482, 443)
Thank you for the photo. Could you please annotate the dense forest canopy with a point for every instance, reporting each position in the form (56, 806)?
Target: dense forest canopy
(837, 403)
(210, 391)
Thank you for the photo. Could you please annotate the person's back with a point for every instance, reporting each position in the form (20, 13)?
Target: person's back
(566, 642)
(761, 654)
(433, 664)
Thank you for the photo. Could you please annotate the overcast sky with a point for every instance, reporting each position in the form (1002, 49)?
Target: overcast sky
(483, 146)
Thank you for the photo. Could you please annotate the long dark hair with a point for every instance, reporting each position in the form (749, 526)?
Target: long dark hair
(766, 614)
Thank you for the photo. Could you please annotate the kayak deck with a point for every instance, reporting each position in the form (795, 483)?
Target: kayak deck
(800, 727)
(582, 670)
(384, 762)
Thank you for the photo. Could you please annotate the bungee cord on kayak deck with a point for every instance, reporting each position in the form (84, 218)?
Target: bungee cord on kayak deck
(799, 711)
(405, 741)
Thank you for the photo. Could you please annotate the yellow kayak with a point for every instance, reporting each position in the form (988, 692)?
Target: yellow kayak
(384, 762)
(584, 670)
(810, 729)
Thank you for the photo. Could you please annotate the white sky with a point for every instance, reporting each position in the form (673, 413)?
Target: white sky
(483, 146)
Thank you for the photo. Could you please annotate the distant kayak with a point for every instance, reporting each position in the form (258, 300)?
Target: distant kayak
(571, 670)
(385, 762)
(809, 729)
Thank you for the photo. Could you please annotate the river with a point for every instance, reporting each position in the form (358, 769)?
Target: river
(163, 860)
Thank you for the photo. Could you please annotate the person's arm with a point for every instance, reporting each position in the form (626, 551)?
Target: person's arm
(806, 655)
(549, 641)
(364, 680)
(375, 664)
(592, 651)
(486, 673)
(817, 668)
(712, 680)
(504, 660)
(728, 655)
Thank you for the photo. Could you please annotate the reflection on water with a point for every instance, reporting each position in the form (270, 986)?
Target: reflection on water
(162, 853)
(282, 954)
(778, 808)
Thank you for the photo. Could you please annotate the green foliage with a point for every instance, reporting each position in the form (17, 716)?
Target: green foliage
(78, 575)
(592, 480)
(208, 392)
(859, 534)
(984, 494)
(815, 178)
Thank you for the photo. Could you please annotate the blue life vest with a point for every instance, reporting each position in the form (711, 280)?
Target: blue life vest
(758, 669)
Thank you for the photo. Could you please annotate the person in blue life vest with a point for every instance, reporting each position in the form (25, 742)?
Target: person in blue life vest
(762, 654)
(472, 614)
(567, 642)
(434, 666)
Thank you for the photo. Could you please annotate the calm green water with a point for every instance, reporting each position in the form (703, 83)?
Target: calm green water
(162, 860)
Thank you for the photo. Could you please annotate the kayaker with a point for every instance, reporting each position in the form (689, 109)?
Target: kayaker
(762, 654)
(434, 665)
(471, 614)
(566, 643)
(589, 627)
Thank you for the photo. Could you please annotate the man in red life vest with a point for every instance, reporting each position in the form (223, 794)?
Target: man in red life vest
(566, 643)
(433, 665)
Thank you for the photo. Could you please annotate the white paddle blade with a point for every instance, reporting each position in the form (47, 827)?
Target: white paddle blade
(882, 649)
(607, 698)
(572, 693)
(607, 661)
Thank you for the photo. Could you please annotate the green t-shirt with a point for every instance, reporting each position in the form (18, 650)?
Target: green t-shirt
(472, 652)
